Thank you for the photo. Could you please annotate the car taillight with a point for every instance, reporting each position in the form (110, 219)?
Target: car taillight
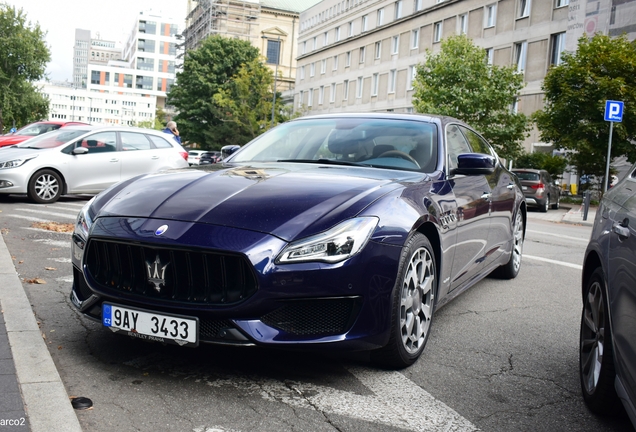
(538, 186)
(184, 155)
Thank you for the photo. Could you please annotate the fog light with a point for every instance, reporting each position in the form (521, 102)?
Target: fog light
(5, 184)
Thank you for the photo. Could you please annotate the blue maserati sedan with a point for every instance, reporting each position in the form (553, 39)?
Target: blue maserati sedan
(338, 231)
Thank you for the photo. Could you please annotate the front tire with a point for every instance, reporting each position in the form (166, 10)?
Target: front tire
(413, 305)
(45, 187)
(596, 356)
(510, 270)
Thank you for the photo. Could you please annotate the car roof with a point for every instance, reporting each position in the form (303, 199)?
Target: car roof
(93, 128)
(528, 170)
(431, 118)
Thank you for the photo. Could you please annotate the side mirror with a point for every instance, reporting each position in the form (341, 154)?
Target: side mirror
(79, 150)
(475, 164)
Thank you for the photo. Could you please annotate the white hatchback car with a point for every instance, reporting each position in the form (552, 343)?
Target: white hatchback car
(84, 160)
(194, 156)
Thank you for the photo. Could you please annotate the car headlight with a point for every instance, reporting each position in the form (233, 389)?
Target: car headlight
(337, 244)
(84, 221)
(13, 163)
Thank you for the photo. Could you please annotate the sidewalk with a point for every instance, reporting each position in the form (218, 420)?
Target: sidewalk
(575, 216)
(32, 372)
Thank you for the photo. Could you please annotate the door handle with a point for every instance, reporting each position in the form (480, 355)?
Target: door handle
(486, 196)
(622, 229)
(114, 160)
(155, 157)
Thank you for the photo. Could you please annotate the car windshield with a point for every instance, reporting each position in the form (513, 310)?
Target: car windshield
(525, 175)
(53, 139)
(381, 143)
(38, 129)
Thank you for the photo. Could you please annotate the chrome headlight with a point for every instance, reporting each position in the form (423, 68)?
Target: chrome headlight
(14, 163)
(84, 221)
(337, 244)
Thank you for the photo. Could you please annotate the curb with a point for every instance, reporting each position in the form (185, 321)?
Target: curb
(45, 399)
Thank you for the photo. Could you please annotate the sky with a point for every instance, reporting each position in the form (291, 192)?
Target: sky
(112, 19)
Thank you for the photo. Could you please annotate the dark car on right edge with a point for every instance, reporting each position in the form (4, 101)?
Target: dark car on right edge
(539, 188)
(607, 361)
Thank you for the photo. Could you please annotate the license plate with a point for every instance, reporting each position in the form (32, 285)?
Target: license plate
(153, 326)
(524, 187)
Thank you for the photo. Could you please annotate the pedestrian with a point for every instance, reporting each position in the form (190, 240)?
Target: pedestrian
(171, 128)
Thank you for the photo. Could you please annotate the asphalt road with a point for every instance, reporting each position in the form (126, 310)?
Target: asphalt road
(501, 357)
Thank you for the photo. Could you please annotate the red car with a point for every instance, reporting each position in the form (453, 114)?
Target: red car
(34, 129)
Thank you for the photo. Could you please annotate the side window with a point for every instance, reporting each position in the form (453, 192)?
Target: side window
(478, 144)
(456, 144)
(159, 142)
(102, 142)
(134, 141)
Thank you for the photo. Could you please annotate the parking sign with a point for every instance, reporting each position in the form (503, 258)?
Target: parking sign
(613, 111)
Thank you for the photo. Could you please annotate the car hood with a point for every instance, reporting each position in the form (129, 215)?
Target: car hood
(289, 201)
(8, 140)
(19, 153)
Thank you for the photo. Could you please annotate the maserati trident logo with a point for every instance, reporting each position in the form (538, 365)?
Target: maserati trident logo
(156, 273)
(162, 229)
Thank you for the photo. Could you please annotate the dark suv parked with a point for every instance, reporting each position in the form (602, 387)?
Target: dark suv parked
(539, 188)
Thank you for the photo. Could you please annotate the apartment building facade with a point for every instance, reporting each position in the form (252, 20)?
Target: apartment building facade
(90, 50)
(361, 55)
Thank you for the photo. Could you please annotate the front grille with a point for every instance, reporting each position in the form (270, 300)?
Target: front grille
(210, 329)
(319, 317)
(173, 275)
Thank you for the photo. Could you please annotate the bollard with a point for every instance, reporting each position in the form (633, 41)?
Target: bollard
(586, 204)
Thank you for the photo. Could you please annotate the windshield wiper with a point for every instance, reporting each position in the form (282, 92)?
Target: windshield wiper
(324, 161)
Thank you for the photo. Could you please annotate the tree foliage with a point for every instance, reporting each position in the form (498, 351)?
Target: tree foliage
(459, 82)
(602, 68)
(212, 75)
(23, 59)
(555, 165)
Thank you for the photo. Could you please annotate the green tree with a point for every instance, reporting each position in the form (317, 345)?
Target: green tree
(459, 82)
(206, 71)
(602, 68)
(247, 101)
(555, 165)
(23, 59)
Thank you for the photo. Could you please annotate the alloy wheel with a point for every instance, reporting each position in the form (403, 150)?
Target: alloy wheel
(517, 249)
(46, 187)
(593, 337)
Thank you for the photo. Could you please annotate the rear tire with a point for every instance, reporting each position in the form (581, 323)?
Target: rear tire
(412, 306)
(544, 208)
(557, 204)
(510, 270)
(45, 187)
(596, 356)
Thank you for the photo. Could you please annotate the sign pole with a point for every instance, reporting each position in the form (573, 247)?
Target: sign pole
(607, 165)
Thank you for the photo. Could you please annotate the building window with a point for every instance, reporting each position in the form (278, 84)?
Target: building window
(558, 45)
(337, 34)
(524, 8)
(345, 90)
(325, 36)
(411, 77)
(351, 28)
(515, 106)
(348, 59)
(463, 24)
(321, 94)
(365, 21)
(521, 49)
(362, 51)
(437, 31)
(323, 66)
(418, 5)
(561, 3)
(378, 49)
(302, 72)
(310, 97)
(395, 44)
(94, 77)
(335, 63)
(273, 51)
(398, 9)
(392, 78)
(304, 47)
(380, 20)
(415, 38)
(146, 45)
(332, 93)
(490, 16)
(315, 43)
(300, 99)
(374, 84)
(489, 55)
(359, 88)
(312, 69)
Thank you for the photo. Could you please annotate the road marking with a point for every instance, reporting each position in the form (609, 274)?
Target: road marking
(60, 260)
(563, 263)
(559, 235)
(64, 215)
(67, 207)
(46, 231)
(65, 279)
(57, 243)
(396, 401)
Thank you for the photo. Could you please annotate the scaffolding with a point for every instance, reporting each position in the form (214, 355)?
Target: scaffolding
(233, 18)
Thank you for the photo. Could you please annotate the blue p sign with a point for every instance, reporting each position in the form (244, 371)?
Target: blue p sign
(613, 111)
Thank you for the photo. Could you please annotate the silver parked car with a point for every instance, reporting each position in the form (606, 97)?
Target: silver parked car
(84, 159)
(539, 188)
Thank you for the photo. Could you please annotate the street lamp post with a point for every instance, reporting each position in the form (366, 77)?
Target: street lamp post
(275, 76)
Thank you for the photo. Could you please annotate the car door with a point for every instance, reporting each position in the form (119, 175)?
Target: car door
(622, 282)
(502, 200)
(472, 194)
(96, 169)
(138, 155)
